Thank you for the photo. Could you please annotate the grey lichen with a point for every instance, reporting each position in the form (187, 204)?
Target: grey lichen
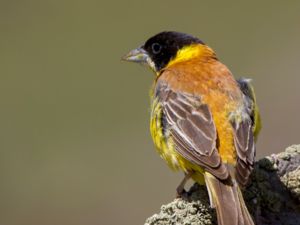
(292, 181)
(272, 197)
(192, 210)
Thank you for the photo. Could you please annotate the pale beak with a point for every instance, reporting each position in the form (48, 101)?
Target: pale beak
(138, 55)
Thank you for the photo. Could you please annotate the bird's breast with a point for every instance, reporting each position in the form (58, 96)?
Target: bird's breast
(160, 135)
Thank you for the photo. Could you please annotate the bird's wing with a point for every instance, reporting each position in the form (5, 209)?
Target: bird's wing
(251, 104)
(192, 129)
(244, 132)
(245, 148)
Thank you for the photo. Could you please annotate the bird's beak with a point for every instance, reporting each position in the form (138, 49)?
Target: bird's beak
(138, 55)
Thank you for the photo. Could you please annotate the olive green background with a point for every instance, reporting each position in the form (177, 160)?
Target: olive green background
(75, 147)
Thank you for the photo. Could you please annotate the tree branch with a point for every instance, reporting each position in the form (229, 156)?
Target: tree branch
(272, 197)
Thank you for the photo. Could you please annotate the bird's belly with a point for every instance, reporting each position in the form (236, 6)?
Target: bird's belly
(161, 139)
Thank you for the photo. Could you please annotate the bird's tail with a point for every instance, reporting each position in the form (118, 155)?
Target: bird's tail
(228, 201)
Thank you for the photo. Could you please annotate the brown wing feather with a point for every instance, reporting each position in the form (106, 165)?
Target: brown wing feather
(245, 148)
(192, 129)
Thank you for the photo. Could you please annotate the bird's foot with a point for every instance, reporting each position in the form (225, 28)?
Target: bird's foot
(181, 193)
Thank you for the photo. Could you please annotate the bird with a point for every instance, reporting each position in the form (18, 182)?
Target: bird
(203, 121)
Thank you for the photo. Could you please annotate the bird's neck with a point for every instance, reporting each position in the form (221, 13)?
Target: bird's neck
(195, 51)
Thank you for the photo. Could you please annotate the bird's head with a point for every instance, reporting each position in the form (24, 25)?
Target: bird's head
(167, 48)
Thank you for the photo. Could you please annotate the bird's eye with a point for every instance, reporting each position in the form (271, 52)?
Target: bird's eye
(156, 48)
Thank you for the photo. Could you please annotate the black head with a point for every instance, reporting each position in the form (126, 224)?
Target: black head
(162, 47)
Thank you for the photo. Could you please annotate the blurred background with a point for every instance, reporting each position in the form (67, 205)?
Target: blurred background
(75, 146)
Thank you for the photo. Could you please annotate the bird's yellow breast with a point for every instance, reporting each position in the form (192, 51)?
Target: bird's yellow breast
(162, 142)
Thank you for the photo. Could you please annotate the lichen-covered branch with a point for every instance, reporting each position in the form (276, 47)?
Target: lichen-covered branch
(272, 197)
